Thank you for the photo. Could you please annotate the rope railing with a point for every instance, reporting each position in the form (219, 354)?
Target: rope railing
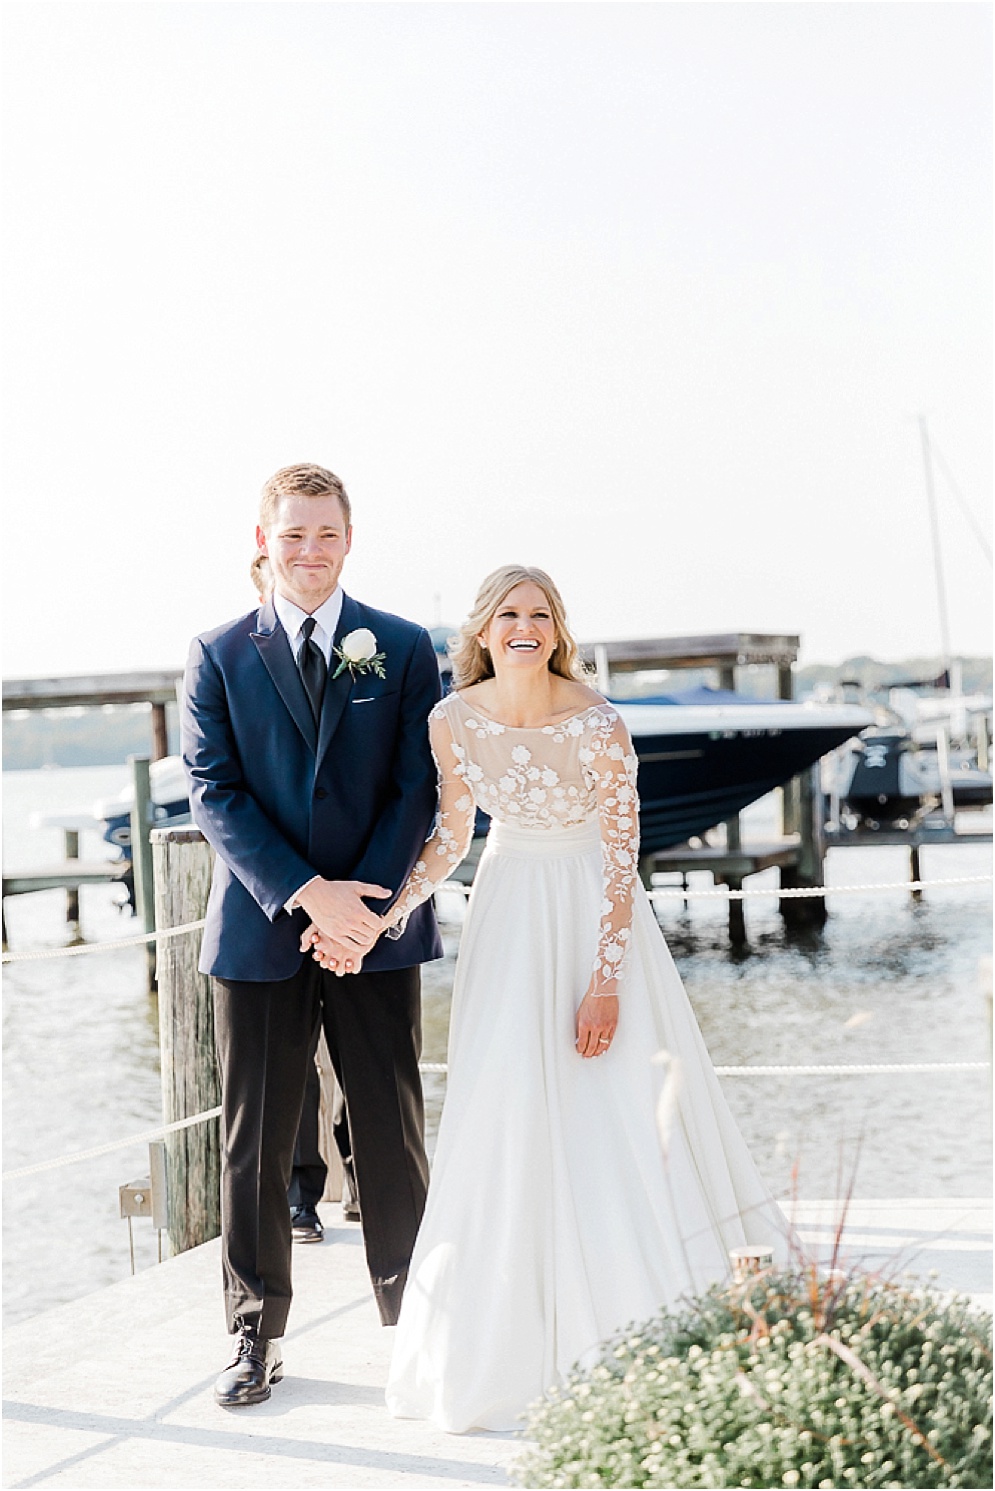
(800, 892)
(851, 1069)
(662, 893)
(161, 934)
(723, 892)
(777, 892)
(145, 1137)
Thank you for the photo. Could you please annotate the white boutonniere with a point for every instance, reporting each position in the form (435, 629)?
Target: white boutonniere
(358, 652)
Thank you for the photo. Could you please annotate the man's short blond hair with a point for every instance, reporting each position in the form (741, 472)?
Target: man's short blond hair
(306, 481)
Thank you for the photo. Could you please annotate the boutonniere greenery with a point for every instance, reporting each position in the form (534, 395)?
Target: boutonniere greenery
(358, 652)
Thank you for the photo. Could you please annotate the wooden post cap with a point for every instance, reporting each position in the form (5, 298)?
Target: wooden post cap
(750, 1260)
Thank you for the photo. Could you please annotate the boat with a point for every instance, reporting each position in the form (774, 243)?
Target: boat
(111, 816)
(704, 754)
(890, 781)
(924, 712)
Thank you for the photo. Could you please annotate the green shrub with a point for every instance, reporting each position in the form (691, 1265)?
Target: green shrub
(789, 1379)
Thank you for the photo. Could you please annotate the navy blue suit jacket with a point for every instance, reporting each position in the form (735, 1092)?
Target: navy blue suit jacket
(282, 800)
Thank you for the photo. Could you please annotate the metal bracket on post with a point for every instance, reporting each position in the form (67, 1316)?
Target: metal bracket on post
(135, 1200)
(146, 1197)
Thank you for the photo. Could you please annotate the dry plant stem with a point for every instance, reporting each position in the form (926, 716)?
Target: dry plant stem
(853, 1361)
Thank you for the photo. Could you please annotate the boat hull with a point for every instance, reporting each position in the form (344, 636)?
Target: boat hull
(700, 761)
(687, 786)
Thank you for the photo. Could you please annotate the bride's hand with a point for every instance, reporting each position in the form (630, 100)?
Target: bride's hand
(336, 957)
(597, 1020)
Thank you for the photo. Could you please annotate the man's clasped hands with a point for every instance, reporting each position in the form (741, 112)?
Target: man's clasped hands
(342, 928)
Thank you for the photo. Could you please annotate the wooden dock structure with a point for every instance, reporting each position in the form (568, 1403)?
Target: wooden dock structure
(970, 827)
(722, 652)
(154, 687)
(127, 1401)
(758, 855)
(72, 873)
(799, 853)
(69, 874)
(157, 688)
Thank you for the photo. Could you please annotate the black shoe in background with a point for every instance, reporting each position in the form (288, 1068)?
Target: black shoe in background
(305, 1225)
(350, 1201)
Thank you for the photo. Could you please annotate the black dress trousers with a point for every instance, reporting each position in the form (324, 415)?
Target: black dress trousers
(264, 1034)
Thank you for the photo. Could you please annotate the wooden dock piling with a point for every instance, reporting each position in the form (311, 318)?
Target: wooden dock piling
(160, 733)
(809, 868)
(734, 840)
(737, 913)
(141, 854)
(70, 839)
(186, 1040)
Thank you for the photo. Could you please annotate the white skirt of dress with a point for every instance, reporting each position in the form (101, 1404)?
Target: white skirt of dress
(558, 1212)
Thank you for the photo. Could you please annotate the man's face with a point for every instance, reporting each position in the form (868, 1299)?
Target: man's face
(306, 545)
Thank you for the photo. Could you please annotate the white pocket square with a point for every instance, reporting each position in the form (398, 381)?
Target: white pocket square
(370, 700)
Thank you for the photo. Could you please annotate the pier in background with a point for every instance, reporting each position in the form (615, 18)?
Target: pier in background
(808, 824)
(798, 852)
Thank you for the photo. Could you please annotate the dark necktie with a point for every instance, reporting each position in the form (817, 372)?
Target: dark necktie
(314, 669)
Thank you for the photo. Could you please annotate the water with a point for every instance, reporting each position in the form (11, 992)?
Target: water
(886, 980)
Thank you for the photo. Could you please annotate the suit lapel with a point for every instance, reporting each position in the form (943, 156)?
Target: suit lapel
(337, 690)
(273, 646)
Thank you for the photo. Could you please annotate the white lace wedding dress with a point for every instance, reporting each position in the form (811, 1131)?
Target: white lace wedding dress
(555, 1214)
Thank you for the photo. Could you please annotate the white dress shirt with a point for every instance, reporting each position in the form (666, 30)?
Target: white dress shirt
(292, 618)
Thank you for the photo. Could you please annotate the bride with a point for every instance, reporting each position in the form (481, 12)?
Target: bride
(557, 1212)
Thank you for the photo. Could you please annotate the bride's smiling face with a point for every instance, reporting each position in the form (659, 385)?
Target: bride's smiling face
(521, 633)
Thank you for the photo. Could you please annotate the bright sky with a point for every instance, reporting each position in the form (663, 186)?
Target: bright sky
(648, 294)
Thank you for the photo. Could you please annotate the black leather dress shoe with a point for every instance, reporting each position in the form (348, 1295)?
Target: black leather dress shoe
(255, 1364)
(305, 1225)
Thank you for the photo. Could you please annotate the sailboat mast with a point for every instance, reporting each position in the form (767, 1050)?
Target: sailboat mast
(941, 592)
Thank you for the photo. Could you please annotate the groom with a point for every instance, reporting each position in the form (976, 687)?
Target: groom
(305, 741)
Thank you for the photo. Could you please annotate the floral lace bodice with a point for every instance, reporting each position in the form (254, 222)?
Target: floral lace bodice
(550, 776)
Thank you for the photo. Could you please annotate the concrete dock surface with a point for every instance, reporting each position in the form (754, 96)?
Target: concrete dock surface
(115, 1390)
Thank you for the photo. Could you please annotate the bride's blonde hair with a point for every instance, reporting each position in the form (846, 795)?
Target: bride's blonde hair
(471, 662)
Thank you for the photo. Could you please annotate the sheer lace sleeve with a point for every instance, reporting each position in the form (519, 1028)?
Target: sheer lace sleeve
(609, 764)
(450, 839)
